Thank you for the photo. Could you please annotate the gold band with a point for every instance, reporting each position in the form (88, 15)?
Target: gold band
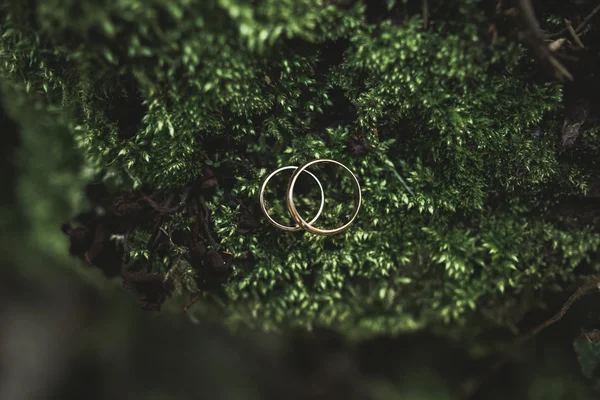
(307, 225)
(264, 209)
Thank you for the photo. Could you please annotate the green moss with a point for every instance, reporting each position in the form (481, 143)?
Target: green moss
(454, 188)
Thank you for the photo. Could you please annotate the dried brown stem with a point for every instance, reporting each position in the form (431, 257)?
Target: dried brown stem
(580, 26)
(205, 219)
(167, 209)
(156, 232)
(470, 387)
(537, 41)
(574, 35)
(191, 302)
(587, 19)
(579, 293)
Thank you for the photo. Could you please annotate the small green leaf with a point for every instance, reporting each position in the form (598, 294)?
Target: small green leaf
(171, 129)
(109, 28)
(109, 56)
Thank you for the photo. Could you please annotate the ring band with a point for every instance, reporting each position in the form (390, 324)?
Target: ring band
(264, 210)
(307, 225)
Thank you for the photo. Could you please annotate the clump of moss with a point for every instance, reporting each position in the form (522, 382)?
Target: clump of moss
(462, 167)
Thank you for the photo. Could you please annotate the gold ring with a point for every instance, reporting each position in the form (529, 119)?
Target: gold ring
(307, 225)
(264, 210)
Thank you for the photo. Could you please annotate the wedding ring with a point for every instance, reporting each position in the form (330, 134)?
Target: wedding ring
(308, 225)
(264, 209)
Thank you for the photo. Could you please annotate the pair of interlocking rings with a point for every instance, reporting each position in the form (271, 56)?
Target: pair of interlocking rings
(289, 199)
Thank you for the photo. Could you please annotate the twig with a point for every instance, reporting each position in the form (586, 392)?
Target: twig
(168, 235)
(588, 288)
(156, 232)
(191, 302)
(587, 19)
(574, 34)
(86, 258)
(580, 26)
(560, 69)
(425, 13)
(537, 42)
(556, 44)
(126, 247)
(471, 386)
(166, 209)
(205, 223)
(557, 34)
(393, 169)
(492, 29)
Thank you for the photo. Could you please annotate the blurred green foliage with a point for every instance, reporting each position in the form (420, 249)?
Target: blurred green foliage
(456, 186)
(49, 178)
(588, 354)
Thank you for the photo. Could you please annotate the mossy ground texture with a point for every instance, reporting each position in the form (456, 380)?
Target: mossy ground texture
(455, 136)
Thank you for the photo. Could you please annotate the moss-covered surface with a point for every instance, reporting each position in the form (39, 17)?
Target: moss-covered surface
(473, 203)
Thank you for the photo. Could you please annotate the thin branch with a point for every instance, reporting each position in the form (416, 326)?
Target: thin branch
(579, 27)
(398, 176)
(557, 34)
(425, 13)
(586, 289)
(587, 19)
(537, 41)
(470, 387)
(205, 223)
(126, 246)
(574, 35)
(167, 210)
(557, 44)
(191, 302)
(156, 233)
